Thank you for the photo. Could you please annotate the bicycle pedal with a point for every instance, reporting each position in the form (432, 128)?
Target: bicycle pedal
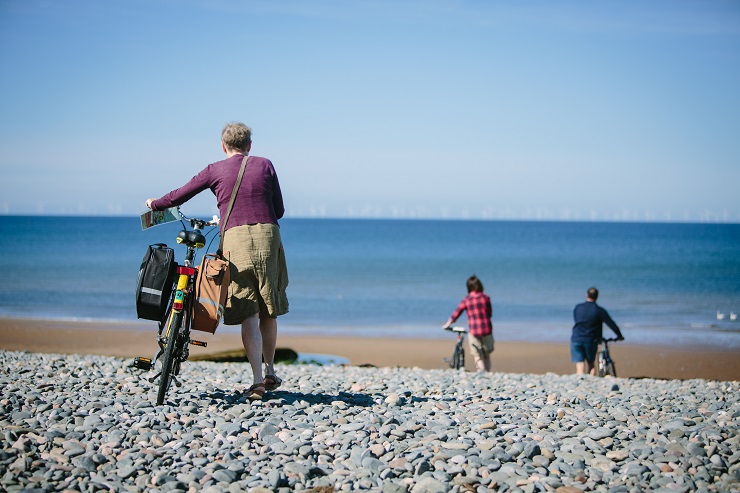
(142, 363)
(198, 343)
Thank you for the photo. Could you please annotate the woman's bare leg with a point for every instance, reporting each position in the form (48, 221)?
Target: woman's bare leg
(252, 340)
(268, 332)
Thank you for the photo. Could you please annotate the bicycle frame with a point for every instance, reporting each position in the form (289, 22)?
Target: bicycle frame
(173, 337)
(180, 302)
(457, 360)
(605, 364)
(186, 277)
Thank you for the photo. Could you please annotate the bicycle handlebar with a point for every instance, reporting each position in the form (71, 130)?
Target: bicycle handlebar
(613, 339)
(452, 328)
(199, 222)
(153, 218)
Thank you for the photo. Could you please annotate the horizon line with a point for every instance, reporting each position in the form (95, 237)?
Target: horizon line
(655, 220)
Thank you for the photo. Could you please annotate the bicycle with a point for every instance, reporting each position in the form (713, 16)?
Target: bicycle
(457, 360)
(173, 337)
(605, 364)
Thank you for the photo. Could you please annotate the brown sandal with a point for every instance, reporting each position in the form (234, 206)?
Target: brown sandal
(272, 382)
(255, 392)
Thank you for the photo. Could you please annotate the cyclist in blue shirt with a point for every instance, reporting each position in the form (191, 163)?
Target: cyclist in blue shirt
(588, 332)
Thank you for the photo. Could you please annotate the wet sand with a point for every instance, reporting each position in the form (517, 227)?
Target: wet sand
(129, 339)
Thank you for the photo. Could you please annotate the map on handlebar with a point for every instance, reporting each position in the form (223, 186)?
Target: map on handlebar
(155, 218)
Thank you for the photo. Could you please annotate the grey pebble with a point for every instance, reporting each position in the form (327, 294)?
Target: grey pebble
(87, 423)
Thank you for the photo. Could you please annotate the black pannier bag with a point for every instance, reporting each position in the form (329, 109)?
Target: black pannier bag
(154, 286)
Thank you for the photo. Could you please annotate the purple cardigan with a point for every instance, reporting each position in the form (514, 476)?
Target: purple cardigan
(259, 199)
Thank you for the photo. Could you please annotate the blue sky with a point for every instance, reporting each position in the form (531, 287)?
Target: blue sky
(514, 110)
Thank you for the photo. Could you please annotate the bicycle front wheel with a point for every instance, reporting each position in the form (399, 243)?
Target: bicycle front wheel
(611, 369)
(601, 365)
(171, 355)
(458, 358)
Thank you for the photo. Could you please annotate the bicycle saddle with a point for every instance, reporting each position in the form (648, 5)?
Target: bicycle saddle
(191, 238)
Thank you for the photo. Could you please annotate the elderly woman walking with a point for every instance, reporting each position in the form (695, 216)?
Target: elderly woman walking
(259, 275)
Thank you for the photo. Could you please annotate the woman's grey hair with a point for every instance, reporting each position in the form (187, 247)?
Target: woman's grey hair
(236, 136)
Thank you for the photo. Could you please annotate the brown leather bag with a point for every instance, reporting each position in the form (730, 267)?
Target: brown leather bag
(211, 290)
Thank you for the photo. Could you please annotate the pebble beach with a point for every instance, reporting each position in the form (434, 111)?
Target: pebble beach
(89, 423)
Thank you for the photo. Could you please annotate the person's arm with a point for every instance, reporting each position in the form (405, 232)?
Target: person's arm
(456, 314)
(277, 196)
(179, 196)
(612, 325)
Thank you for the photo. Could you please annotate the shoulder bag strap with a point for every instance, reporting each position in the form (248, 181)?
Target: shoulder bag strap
(219, 252)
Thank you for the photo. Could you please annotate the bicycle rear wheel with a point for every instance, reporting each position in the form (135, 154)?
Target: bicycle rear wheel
(171, 355)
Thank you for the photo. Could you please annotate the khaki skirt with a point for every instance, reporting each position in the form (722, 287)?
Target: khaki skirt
(259, 274)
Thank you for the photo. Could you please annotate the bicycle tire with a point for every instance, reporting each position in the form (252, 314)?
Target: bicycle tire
(452, 361)
(458, 357)
(602, 365)
(170, 357)
(611, 369)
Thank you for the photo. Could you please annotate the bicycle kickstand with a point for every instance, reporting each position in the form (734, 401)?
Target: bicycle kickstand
(173, 377)
(152, 379)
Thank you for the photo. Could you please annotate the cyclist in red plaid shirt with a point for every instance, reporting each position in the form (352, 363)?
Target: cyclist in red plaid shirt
(478, 307)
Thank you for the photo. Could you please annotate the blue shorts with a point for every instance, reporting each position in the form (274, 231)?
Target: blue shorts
(580, 351)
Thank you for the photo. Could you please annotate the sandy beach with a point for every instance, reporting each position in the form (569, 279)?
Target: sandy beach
(129, 339)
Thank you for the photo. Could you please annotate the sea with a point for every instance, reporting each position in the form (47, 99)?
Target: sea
(669, 284)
